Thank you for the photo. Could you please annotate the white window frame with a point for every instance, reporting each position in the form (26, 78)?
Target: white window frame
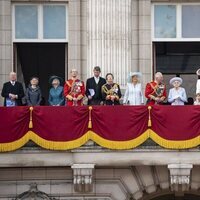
(40, 24)
(179, 37)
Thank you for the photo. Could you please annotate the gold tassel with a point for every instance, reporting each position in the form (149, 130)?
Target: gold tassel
(31, 117)
(149, 121)
(90, 117)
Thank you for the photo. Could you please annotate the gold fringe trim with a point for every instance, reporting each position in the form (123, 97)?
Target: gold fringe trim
(58, 145)
(90, 135)
(90, 117)
(118, 144)
(174, 144)
(52, 145)
(11, 146)
(149, 121)
(31, 118)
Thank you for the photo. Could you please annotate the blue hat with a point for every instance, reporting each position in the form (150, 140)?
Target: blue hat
(55, 77)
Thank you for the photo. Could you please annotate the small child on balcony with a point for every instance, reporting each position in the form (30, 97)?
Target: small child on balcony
(197, 101)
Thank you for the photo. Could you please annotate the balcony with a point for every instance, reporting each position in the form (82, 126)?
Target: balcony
(107, 134)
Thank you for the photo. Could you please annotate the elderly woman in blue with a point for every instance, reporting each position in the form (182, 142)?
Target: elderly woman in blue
(177, 94)
(56, 97)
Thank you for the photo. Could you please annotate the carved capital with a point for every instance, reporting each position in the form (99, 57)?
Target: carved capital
(180, 176)
(83, 177)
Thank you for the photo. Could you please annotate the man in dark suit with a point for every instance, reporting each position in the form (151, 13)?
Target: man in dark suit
(93, 87)
(12, 91)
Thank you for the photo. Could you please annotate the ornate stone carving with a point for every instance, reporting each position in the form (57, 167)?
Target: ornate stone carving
(180, 179)
(83, 177)
(34, 194)
(180, 176)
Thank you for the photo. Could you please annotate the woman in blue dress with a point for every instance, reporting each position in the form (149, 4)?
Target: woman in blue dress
(56, 97)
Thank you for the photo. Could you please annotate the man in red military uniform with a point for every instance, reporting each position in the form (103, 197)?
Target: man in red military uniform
(74, 90)
(155, 91)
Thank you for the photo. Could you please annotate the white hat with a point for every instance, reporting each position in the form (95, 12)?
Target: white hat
(138, 74)
(176, 79)
(198, 72)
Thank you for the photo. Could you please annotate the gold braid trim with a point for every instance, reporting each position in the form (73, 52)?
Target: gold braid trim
(110, 92)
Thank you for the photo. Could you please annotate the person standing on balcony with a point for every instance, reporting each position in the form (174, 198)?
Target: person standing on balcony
(198, 82)
(93, 87)
(33, 93)
(74, 90)
(12, 91)
(155, 91)
(111, 92)
(56, 97)
(133, 94)
(197, 101)
(177, 94)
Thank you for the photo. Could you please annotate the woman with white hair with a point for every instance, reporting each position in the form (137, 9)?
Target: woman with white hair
(177, 94)
(133, 94)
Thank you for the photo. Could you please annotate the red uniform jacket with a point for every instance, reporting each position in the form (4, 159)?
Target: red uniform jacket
(153, 90)
(74, 89)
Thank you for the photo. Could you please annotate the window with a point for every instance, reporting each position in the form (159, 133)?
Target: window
(54, 20)
(40, 23)
(190, 21)
(176, 22)
(26, 25)
(165, 21)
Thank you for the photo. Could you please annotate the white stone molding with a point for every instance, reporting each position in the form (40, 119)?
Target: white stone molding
(83, 177)
(180, 176)
(100, 156)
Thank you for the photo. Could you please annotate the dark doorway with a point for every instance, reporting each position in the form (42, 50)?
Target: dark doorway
(178, 59)
(42, 60)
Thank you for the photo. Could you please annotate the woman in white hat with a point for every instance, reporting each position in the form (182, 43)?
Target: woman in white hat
(133, 94)
(177, 94)
(198, 82)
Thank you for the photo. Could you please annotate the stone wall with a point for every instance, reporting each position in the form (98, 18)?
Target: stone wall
(113, 183)
(5, 42)
(115, 35)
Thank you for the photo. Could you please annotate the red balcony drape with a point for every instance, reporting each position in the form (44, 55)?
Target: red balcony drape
(113, 127)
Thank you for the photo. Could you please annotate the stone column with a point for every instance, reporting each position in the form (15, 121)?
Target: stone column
(109, 38)
(74, 50)
(84, 4)
(5, 42)
(144, 38)
(135, 35)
